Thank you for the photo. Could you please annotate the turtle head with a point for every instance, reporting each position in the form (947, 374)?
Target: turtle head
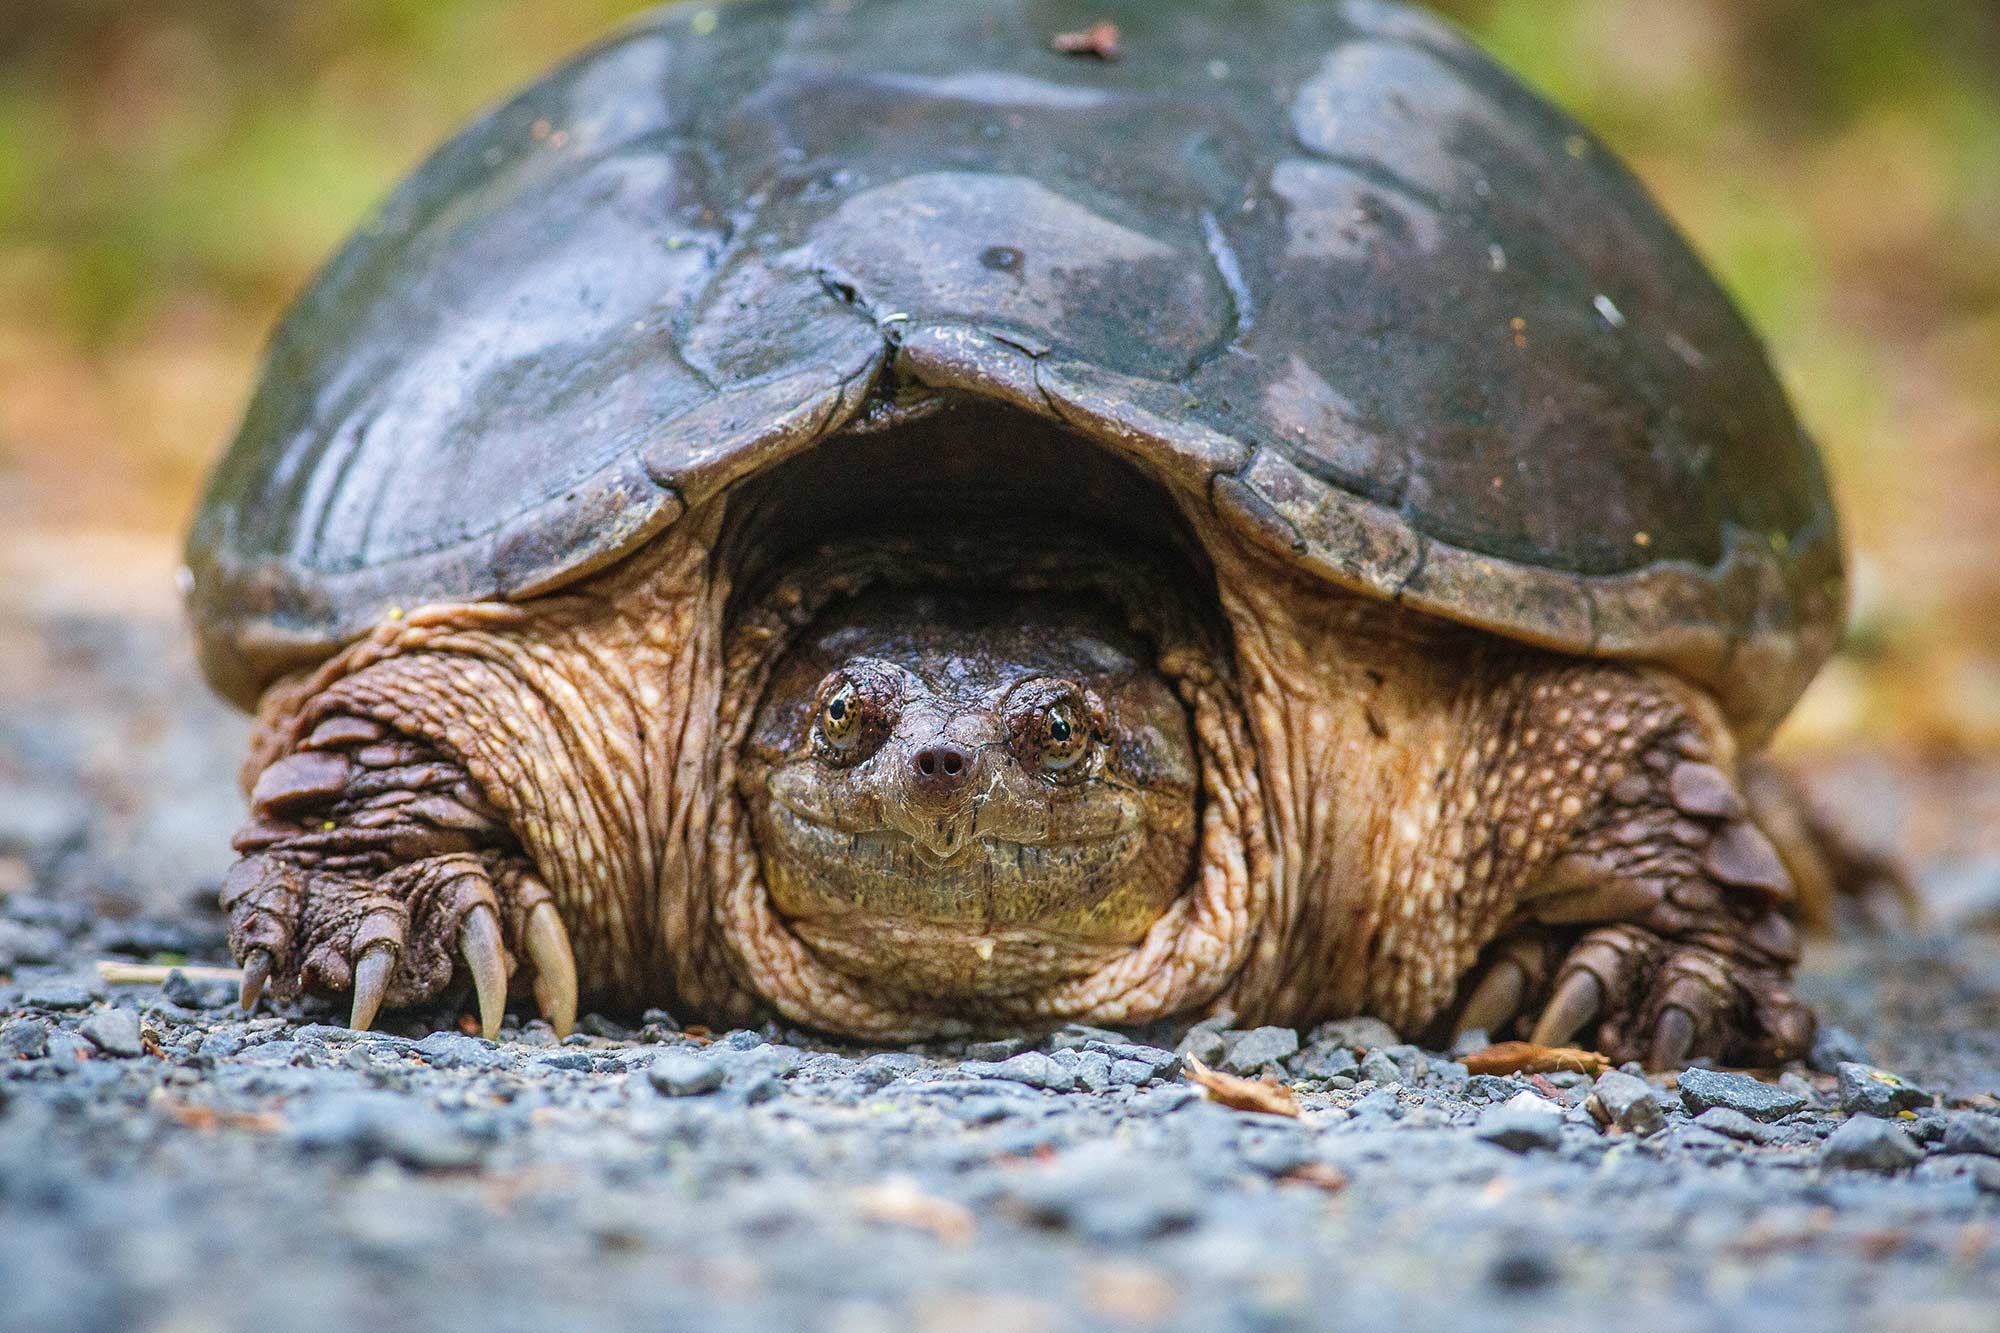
(954, 792)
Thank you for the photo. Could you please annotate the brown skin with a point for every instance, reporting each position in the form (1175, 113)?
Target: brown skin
(1358, 810)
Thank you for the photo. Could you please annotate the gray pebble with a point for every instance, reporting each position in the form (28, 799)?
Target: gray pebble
(1865, 1143)
(24, 1039)
(1972, 1132)
(1002, 1049)
(1203, 1044)
(1257, 1050)
(55, 995)
(1030, 1067)
(1360, 1034)
(1378, 1066)
(879, 1071)
(680, 1074)
(190, 994)
(1521, 1127)
(1734, 1125)
(1866, 1090)
(113, 1031)
(1130, 1073)
(1986, 1177)
(452, 1050)
(1324, 1059)
(1704, 1088)
(1632, 1103)
(1833, 1046)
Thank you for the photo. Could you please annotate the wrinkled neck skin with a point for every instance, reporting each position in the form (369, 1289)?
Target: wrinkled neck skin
(1278, 828)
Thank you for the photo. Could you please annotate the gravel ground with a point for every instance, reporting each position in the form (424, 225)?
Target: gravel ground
(167, 1163)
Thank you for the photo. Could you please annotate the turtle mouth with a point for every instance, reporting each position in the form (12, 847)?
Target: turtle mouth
(951, 843)
(818, 869)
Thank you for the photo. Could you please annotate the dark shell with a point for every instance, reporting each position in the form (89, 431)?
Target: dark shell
(1396, 315)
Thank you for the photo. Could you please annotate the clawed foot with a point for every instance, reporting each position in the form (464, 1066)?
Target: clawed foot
(1639, 996)
(372, 869)
(401, 941)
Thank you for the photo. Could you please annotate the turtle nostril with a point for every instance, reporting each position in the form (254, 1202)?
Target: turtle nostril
(941, 767)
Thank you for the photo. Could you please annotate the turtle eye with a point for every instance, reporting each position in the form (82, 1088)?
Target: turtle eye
(840, 715)
(1065, 736)
(1053, 727)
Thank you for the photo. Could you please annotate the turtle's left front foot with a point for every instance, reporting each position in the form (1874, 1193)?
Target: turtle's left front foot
(1661, 933)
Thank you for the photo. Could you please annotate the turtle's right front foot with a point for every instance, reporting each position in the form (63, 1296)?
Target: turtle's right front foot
(373, 867)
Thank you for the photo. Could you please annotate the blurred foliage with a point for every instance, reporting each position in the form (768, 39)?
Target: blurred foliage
(172, 171)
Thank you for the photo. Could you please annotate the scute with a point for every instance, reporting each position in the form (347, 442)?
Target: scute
(1326, 266)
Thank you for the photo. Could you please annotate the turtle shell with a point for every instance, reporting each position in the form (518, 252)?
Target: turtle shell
(1328, 265)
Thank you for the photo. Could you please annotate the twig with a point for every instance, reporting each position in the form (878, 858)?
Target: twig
(114, 973)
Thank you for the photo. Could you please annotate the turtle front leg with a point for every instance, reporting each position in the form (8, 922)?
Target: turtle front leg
(1655, 923)
(373, 865)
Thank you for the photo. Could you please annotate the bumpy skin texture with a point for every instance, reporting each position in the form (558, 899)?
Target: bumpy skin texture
(1460, 822)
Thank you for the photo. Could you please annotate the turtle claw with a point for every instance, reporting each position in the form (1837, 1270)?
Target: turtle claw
(547, 945)
(1496, 1000)
(256, 973)
(371, 983)
(1578, 1001)
(1673, 1038)
(479, 943)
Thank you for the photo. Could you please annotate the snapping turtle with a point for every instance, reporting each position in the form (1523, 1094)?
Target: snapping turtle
(844, 511)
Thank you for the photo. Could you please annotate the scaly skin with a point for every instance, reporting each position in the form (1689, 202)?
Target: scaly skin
(1397, 817)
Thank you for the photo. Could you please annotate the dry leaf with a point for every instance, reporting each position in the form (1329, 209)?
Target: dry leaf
(1524, 1057)
(898, 1202)
(1099, 40)
(1243, 1094)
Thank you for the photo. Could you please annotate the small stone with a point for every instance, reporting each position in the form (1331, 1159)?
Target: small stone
(1972, 1132)
(452, 1050)
(1492, 1087)
(113, 1031)
(1203, 1044)
(1378, 1066)
(55, 995)
(1734, 1125)
(1834, 1046)
(1130, 1073)
(1866, 1090)
(1357, 1034)
(1249, 1054)
(679, 1074)
(879, 1071)
(1034, 1069)
(1632, 1104)
(574, 1061)
(189, 994)
(24, 1039)
(1986, 1177)
(1867, 1144)
(1703, 1088)
(1077, 1035)
(1093, 1071)
(1521, 1126)
(597, 1025)
(1324, 1059)
(1163, 1063)
(1003, 1049)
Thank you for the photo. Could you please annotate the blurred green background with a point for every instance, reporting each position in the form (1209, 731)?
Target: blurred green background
(171, 173)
